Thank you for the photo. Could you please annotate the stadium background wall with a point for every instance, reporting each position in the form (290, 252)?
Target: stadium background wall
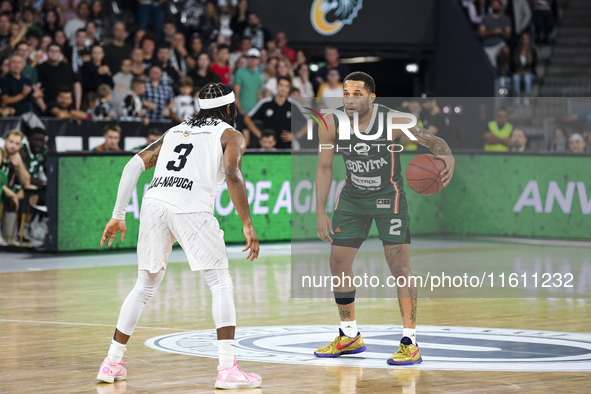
(414, 25)
(490, 194)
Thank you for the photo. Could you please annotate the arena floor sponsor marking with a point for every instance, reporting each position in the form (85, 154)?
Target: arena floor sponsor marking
(442, 348)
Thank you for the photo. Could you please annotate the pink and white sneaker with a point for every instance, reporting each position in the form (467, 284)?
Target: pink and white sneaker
(235, 378)
(111, 371)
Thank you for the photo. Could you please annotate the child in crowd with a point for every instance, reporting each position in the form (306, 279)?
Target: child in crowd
(103, 109)
(90, 101)
(184, 106)
(133, 107)
(268, 140)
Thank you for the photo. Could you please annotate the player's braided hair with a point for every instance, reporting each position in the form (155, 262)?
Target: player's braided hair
(209, 91)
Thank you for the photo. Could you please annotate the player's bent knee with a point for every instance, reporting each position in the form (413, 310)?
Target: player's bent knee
(337, 266)
(147, 284)
(344, 297)
(144, 294)
(218, 279)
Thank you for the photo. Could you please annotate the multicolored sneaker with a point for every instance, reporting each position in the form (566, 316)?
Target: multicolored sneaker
(111, 371)
(235, 378)
(407, 354)
(342, 345)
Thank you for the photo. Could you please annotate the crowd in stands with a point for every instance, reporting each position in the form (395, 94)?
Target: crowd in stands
(579, 140)
(502, 136)
(74, 60)
(510, 30)
(78, 61)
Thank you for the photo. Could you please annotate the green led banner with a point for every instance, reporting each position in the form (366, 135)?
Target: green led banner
(517, 195)
(490, 194)
(497, 195)
(87, 189)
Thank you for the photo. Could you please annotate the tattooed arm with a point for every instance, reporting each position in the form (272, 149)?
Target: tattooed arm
(150, 154)
(439, 148)
(437, 145)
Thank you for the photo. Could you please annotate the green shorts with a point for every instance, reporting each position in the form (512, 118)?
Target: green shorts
(353, 217)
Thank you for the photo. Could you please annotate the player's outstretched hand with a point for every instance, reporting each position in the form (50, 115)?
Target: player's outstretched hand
(448, 171)
(252, 242)
(111, 229)
(323, 224)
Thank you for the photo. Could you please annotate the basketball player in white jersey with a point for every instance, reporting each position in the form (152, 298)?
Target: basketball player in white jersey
(191, 160)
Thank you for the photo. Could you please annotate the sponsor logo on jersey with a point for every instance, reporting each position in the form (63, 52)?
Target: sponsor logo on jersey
(172, 181)
(366, 181)
(339, 12)
(383, 203)
(187, 133)
(365, 165)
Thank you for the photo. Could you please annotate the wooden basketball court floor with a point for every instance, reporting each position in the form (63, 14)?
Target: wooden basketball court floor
(57, 316)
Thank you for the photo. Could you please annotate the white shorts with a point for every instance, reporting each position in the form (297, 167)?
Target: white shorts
(199, 235)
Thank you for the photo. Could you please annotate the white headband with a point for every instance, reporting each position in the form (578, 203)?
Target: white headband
(217, 102)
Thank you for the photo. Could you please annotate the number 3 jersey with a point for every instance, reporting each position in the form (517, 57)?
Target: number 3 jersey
(190, 168)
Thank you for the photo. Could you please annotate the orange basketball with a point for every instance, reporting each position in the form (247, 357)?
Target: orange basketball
(423, 174)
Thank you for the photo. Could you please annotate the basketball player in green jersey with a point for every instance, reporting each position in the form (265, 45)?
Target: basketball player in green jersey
(373, 191)
(34, 154)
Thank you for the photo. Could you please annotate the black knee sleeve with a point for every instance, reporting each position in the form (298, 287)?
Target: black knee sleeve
(344, 297)
(349, 243)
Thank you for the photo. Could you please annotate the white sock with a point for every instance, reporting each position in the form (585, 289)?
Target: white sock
(116, 351)
(226, 352)
(410, 333)
(349, 328)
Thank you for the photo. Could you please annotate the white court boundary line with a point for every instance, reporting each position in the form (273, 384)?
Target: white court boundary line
(85, 324)
(538, 241)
